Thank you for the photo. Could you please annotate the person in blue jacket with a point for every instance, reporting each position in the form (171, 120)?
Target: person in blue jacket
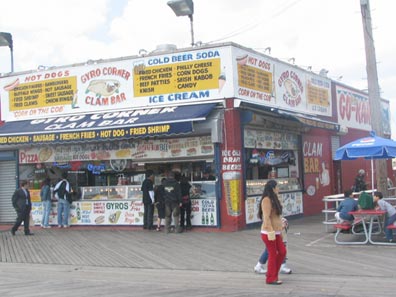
(343, 209)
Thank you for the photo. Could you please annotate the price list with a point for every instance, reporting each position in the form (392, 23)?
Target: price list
(43, 94)
(176, 78)
(317, 95)
(254, 78)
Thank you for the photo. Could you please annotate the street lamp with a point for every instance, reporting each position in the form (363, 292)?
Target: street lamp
(6, 40)
(183, 8)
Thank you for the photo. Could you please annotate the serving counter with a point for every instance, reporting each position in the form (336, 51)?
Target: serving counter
(290, 193)
(122, 205)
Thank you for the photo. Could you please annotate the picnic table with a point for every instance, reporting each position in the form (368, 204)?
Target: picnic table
(368, 218)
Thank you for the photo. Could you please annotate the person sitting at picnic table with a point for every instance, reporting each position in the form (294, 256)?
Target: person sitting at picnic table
(348, 204)
(390, 213)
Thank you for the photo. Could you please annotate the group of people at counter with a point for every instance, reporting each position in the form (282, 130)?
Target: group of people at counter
(22, 204)
(172, 200)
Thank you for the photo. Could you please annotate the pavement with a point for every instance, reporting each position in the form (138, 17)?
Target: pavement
(122, 261)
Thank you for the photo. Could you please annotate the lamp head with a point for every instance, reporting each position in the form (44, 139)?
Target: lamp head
(182, 7)
(6, 39)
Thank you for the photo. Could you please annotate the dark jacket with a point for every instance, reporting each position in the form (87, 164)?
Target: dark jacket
(147, 186)
(172, 191)
(19, 199)
(185, 190)
(159, 195)
(360, 184)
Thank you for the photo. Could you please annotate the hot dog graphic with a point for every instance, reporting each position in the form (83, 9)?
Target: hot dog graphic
(11, 85)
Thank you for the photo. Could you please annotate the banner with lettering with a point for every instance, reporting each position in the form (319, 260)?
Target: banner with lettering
(118, 150)
(96, 86)
(316, 163)
(353, 108)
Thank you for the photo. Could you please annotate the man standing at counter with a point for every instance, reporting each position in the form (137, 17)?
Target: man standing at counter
(148, 200)
(61, 191)
(173, 202)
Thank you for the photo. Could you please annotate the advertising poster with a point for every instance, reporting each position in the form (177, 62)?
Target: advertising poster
(316, 163)
(318, 93)
(167, 79)
(255, 77)
(136, 149)
(353, 109)
(292, 205)
(290, 88)
(101, 213)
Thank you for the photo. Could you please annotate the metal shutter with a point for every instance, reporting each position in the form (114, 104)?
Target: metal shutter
(335, 144)
(8, 186)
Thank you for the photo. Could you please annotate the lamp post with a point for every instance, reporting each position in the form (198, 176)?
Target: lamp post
(6, 40)
(184, 8)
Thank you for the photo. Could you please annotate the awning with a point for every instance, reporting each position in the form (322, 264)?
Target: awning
(122, 124)
(305, 120)
(311, 121)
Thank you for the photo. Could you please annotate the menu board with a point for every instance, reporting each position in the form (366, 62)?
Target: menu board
(43, 94)
(94, 87)
(318, 95)
(254, 78)
(270, 140)
(128, 149)
(172, 78)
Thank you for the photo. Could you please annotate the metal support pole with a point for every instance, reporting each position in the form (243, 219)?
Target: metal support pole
(12, 58)
(373, 91)
(192, 29)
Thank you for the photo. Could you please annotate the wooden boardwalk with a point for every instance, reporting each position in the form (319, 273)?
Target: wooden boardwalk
(123, 262)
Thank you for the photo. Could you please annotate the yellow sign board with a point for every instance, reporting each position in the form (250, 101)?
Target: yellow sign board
(176, 78)
(254, 78)
(43, 93)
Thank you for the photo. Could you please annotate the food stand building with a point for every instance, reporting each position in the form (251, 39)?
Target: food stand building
(244, 116)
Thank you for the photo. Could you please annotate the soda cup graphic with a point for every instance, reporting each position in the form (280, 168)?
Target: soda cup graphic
(231, 180)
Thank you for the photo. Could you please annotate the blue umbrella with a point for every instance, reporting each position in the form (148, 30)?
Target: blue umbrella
(372, 147)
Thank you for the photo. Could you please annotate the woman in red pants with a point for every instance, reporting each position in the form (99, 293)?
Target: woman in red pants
(270, 213)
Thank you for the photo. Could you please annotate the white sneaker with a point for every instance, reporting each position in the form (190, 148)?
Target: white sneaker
(259, 269)
(285, 270)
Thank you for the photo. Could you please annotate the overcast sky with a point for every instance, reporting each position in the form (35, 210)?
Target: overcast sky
(318, 33)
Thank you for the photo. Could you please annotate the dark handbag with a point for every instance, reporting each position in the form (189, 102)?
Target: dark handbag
(69, 198)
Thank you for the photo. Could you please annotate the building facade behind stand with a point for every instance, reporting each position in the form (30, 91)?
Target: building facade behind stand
(241, 115)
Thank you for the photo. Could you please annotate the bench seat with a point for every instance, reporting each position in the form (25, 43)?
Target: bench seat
(348, 226)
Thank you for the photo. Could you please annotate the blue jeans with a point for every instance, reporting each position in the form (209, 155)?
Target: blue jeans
(46, 212)
(264, 257)
(63, 212)
(389, 232)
